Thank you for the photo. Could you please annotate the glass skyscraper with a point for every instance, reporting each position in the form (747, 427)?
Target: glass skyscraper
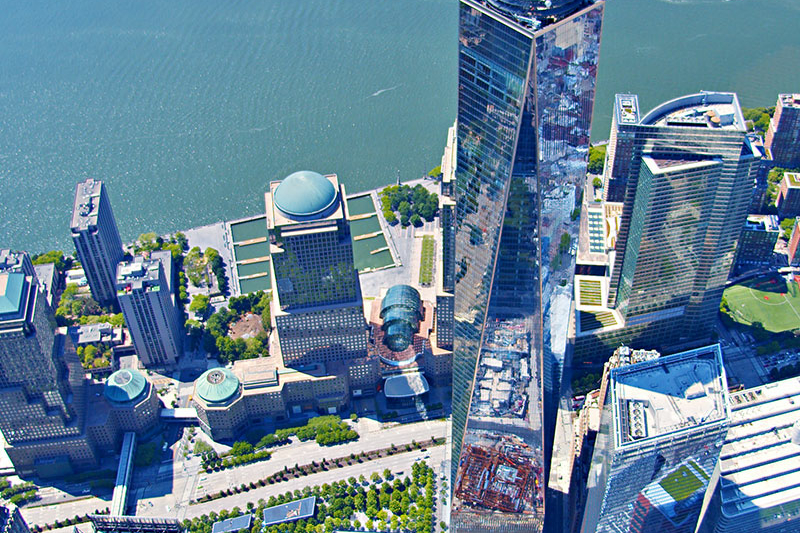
(662, 428)
(527, 72)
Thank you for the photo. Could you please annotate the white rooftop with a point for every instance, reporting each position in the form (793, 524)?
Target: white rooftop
(670, 394)
(760, 463)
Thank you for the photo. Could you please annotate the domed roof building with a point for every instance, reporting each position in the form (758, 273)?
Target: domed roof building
(125, 385)
(304, 195)
(217, 386)
(133, 400)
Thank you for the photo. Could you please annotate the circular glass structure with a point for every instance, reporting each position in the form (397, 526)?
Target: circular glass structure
(304, 194)
(217, 385)
(125, 385)
(401, 311)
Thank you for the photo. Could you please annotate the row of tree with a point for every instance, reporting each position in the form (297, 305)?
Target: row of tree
(404, 505)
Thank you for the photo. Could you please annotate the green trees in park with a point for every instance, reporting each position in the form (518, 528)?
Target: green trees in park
(787, 224)
(597, 157)
(200, 304)
(406, 505)
(412, 204)
(758, 118)
(53, 256)
(215, 336)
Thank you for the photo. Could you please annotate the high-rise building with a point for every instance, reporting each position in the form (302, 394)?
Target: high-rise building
(42, 390)
(662, 428)
(686, 172)
(527, 72)
(759, 236)
(316, 303)
(783, 136)
(759, 461)
(96, 239)
(144, 297)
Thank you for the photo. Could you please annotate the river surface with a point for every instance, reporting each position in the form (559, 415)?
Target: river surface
(188, 108)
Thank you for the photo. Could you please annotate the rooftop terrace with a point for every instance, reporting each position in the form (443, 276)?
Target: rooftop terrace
(534, 14)
(664, 396)
(706, 110)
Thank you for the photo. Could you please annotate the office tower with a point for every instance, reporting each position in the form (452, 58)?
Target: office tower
(316, 304)
(445, 272)
(527, 74)
(41, 384)
(759, 461)
(144, 297)
(688, 170)
(662, 428)
(96, 239)
(783, 136)
(757, 242)
(11, 520)
(788, 200)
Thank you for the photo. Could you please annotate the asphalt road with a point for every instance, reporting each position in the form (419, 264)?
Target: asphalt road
(160, 490)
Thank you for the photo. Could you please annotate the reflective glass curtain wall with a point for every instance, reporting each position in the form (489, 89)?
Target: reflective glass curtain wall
(526, 91)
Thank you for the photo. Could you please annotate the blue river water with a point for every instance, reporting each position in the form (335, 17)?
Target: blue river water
(188, 108)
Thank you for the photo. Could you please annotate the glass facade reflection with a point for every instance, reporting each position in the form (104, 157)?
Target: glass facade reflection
(662, 428)
(526, 91)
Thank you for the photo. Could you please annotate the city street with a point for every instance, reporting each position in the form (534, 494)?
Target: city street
(160, 490)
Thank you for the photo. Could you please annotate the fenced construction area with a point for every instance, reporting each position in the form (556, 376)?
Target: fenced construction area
(770, 300)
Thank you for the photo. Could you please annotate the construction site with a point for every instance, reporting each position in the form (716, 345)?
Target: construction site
(500, 473)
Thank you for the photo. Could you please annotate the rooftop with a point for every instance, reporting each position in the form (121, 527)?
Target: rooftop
(762, 223)
(304, 194)
(759, 461)
(406, 385)
(217, 385)
(789, 100)
(706, 110)
(12, 288)
(667, 395)
(232, 524)
(87, 204)
(289, 512)
(792, 179)
(626, 107)
(139, 273)
(535, 14)
(125, 385)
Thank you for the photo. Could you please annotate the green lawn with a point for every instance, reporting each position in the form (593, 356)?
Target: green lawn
(426, 261)
(769, 300)
(681, 484)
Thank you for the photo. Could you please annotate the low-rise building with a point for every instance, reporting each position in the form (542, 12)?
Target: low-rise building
(228, 400)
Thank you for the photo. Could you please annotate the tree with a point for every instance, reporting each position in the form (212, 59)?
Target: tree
(597, 156)
(404, 208)
(53, 256)
(787, 224)
(597, 182)
(390, 217)
(415, 220)
(435, 171)
(200, 304)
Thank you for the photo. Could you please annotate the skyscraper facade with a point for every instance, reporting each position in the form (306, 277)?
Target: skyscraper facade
(783, 135)
(686, 171)
(662, 428)
(96, 239)
(42, 394)
(527, 73)
(144, 297)
(316, 304)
